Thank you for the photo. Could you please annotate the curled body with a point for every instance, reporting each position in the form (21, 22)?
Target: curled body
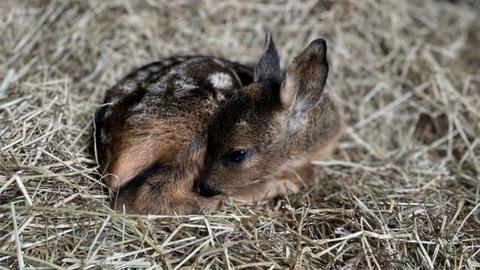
(181, 135)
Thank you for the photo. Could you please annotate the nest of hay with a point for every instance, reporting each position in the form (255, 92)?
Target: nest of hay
(402, 192)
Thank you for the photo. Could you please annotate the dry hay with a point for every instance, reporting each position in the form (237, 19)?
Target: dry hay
(401, 193)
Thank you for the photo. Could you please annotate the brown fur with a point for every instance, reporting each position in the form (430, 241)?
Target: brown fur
(180, 135)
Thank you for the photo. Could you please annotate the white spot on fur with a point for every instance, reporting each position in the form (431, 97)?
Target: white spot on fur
(242, 124)
(129, 87)
(220, 80)
(220, 96)
(157, 87)
(142, 75)
(183, 86)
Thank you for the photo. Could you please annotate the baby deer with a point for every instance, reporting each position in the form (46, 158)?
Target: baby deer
(180, 135)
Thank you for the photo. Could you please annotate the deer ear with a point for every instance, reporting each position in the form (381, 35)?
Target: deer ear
(135, 151)
(306, 77)
(268, 67)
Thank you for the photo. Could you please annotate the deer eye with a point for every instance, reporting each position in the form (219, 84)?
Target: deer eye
(236, 157)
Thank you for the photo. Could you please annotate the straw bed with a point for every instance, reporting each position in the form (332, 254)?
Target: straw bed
(401, 192)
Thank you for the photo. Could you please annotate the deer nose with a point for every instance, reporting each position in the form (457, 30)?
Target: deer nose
(201, 187)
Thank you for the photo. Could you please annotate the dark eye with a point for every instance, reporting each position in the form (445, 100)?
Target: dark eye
(236, 157)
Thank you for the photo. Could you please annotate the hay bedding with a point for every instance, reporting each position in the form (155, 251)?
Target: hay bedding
(402, 192)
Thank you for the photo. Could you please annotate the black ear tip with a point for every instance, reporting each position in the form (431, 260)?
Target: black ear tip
(269, 44)
(318, 43)
(268, 67)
